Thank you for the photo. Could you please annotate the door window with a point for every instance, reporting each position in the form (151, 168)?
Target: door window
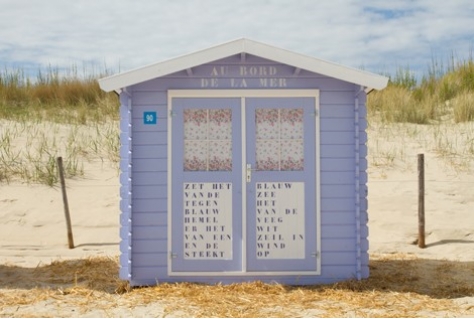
(279, 139)
(208, 140)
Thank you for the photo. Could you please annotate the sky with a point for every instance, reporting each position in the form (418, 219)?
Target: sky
(118, 35)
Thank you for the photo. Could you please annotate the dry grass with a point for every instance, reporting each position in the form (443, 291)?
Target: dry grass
(69, 98)
(397, 104)
(463, 107)
(439, 93)
(28, 150)
(399, 286)
(396, 145)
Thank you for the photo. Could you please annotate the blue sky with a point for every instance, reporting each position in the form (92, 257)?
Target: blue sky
(378, 36)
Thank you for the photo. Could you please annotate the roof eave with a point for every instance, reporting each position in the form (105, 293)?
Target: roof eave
(319, 66)
(170, 66)
(369, 80)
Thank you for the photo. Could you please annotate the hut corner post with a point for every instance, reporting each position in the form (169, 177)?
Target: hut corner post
(421, 201)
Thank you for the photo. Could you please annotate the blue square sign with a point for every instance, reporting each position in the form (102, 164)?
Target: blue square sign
(149, 118)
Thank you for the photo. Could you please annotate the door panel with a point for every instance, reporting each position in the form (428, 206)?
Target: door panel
(206, 184)
(281, 188)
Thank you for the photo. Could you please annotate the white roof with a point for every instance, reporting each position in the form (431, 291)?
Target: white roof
(304, 62)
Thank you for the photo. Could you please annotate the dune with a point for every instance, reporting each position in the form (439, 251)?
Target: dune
(33, 229)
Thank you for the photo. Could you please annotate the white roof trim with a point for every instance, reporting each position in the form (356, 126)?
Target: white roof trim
(330, 69)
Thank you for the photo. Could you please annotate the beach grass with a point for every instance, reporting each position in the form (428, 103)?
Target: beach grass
(66, 99)
(440, 95)
(64, 114)
(54, 115)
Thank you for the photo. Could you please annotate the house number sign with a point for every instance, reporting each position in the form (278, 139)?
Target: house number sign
(207, 221)
(149, 118)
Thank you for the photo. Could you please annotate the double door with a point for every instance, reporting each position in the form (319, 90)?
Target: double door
(243, 185)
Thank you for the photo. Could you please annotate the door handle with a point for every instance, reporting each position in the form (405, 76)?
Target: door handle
(249, 172)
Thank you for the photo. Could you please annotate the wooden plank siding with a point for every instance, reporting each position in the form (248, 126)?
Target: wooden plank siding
(149, 157)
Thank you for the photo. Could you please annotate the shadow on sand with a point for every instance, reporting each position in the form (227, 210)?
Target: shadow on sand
(95, 245)
(450, 241)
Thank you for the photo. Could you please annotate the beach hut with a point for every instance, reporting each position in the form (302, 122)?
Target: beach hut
(240, 162)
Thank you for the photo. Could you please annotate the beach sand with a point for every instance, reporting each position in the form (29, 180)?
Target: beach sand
(33, 230)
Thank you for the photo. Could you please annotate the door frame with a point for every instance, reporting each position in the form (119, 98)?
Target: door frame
(243, 94)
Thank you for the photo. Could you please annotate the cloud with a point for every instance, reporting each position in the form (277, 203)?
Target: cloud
(374, 34)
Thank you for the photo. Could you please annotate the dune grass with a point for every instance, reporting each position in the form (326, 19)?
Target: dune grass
(446, 94)
(56, 98)
(41, 107)
(50, 116)
(29, 150)
(435, 114)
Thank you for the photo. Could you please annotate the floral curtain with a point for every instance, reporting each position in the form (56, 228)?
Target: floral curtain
(207, 140)
(279, 139)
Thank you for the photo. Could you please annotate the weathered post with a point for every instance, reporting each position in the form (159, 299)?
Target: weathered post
(66, 205)
(421, 201)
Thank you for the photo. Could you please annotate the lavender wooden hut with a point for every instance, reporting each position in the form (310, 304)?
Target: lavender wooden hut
(243, 162)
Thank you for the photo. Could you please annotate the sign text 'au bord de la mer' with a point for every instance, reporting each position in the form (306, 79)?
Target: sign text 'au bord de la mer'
(244, 76)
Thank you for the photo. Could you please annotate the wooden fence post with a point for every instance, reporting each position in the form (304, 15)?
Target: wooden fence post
(66, 205)
(421, 201)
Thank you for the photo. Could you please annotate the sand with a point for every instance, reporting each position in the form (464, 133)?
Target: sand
(449, 199)
(33, 230)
